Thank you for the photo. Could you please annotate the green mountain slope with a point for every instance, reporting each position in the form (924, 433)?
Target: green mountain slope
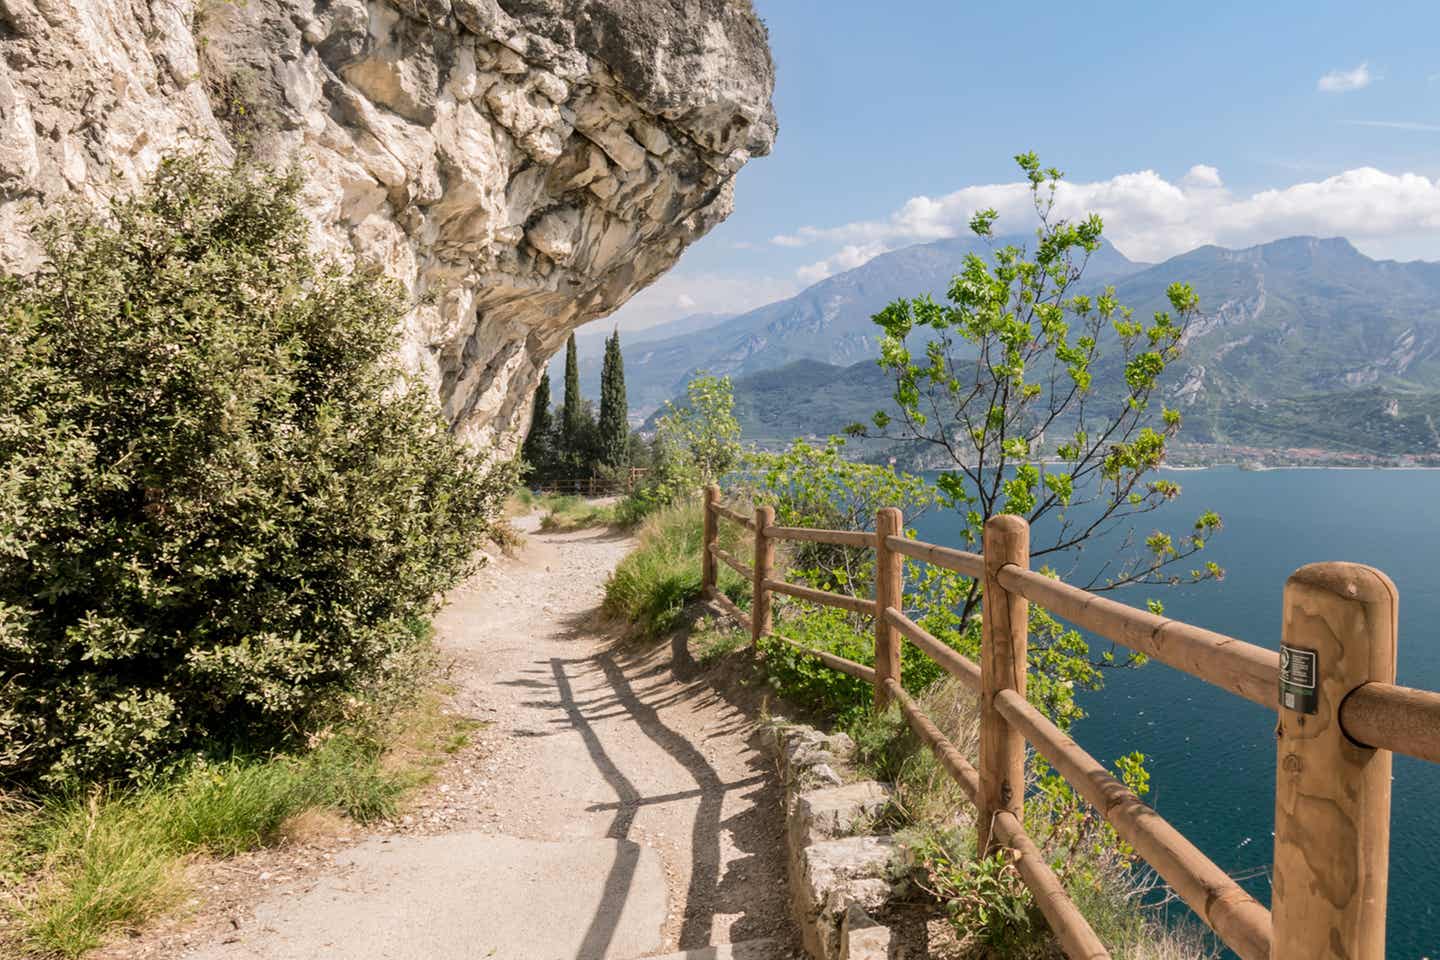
(1302, 343)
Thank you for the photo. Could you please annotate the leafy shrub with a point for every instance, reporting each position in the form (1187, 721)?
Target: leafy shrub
(841, 698)
(817, 486)
(223, 510)
(988, 901)
(696, 443)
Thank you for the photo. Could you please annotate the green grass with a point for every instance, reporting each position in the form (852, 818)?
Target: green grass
(573, 513)
(654, 584)
(715, 639)
(561, 511)
(81, 865)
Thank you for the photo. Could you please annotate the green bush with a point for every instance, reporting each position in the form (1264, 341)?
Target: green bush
(223, 511)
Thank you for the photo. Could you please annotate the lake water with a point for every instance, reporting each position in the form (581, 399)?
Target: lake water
(1211, 754)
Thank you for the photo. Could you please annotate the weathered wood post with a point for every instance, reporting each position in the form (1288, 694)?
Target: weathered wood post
(708, 541)
(1004, 637)
(889, 592)
(763, 567)
(1332, 796)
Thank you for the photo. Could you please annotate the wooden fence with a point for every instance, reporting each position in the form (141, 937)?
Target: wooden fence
(1332, 685)
(596, 486)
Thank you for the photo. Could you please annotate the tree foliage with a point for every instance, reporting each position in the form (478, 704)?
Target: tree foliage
(1040, 396)
(573, 432)
(612, 439)
(818, 486)
(536, 451)
(224, 513)
(696, 443)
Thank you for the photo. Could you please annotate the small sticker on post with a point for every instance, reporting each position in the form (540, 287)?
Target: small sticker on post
(1298, 670)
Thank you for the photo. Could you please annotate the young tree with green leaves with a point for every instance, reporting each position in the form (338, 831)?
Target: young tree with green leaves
(1041, 397)
(697, 442)
(703, 432)
(536, 449)
(613, 431)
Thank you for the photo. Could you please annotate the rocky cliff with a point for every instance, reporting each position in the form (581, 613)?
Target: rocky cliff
(522, 166)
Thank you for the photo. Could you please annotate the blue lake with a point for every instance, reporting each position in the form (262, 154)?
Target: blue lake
(1212, 755)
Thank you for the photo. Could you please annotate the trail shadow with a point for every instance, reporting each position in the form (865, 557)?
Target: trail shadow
(622, 872)
(731, 889)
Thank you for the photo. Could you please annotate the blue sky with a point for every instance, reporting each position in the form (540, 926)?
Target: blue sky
(1233, 123)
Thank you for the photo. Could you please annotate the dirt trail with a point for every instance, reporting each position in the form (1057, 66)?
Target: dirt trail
(612, 809)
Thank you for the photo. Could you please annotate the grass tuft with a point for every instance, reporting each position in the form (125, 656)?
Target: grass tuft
(654, 584)
(82, 866)
(573, 513)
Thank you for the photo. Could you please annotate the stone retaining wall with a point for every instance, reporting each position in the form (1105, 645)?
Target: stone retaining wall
(840, 865)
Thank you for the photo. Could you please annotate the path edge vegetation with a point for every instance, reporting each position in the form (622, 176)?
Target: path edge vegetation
(226, 519)
(966, 381)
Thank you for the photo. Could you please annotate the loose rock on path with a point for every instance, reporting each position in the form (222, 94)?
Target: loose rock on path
(611, 809)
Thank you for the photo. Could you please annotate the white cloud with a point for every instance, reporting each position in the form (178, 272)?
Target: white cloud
(847, 257)
(1343, 81)
(1151, 218)
(685, 302)
(1203, 175)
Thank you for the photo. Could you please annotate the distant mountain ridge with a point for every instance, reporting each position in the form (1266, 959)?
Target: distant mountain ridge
(828, 321)
(1302, 342)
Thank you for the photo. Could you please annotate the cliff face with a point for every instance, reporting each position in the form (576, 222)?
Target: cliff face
(522, 166)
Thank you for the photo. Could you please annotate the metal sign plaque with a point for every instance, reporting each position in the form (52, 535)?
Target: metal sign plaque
(1298, 670)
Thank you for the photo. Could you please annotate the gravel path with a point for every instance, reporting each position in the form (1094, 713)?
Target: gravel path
(610, 809)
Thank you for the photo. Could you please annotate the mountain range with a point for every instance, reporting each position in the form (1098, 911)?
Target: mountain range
(1301, 342)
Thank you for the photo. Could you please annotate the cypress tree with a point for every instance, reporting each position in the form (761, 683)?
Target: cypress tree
(536, 449)
(572, 411)
(614, 439)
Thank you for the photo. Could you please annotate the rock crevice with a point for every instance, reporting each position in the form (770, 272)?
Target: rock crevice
(521, 166)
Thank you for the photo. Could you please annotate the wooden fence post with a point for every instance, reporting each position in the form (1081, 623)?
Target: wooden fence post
(1003, 643)
(889, 592)
(763, 567)
(707, 558)
(1332, 796)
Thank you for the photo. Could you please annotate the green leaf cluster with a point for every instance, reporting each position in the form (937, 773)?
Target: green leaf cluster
(696, 444)
(223, 508)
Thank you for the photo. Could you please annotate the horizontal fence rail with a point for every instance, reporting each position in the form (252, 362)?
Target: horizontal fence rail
(1242, 668)
(1332, 685)
(954, 663)
(740, 518)
(729, 561)
(842, 538)
(970, 564)
(825, 597)
(1401, 719)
